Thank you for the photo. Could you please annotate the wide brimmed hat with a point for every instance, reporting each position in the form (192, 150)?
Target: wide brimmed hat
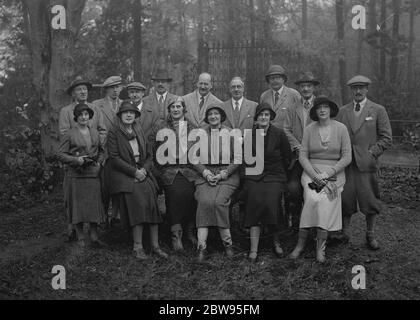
(307, 77)
(264, 106)
(77, 82)
(127, 105)
(161, 74)
(136, 86)
(359, 81)
(222, 113)
(112, 81)
(276, 69)
(79, 108)
(323, 100)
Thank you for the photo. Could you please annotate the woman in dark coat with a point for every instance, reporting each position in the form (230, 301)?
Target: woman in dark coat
(132, 179)
(263, 192)
(82, 151)
(176, 175)
(216, 184)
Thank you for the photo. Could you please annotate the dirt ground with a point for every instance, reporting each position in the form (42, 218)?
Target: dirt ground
(32, 242)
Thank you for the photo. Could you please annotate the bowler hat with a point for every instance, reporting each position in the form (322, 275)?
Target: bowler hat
(136, 86)
(218, 108)
(161, 74)
(323, 100)
(264, 106)
(307, 77)
(112, 81)
(359, 80)
(77, 82)
(275, 69)
(127, 105)
(79, 108)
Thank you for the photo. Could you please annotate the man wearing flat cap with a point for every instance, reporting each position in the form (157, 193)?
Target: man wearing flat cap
(155, 105)
(279, 97)
(110, 104)
(370, 133)
(136, 92)
(294, 124)
(198, 101)
(79, 91)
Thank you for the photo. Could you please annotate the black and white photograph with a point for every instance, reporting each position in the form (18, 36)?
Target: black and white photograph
(209, 156)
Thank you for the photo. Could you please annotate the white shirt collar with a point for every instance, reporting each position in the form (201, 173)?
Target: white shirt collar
(280, 91)
(362, 104)
(199, 96)
(239, 101)
(164, 95)
(140, 105)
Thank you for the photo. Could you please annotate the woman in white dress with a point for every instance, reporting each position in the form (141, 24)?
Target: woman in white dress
(326, 151)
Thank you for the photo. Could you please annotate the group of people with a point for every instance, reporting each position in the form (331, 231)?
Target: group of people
(320, 160)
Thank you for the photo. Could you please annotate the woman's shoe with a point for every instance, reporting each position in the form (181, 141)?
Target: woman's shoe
(177, 240)
(159, 252)
(229, 251)
(140, 254)
(252, 256)
(202, 254)
(278, 250)
(321, 240)
(303, 234)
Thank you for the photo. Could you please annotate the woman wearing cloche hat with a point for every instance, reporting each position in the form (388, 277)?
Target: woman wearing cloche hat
(326, 151)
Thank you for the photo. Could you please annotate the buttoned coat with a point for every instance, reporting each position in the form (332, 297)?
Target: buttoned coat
(289, 98)
(109, 115)
(194, 114)
(370, 133)
(246, 118)
(152, 113)
(66, 120)
(123, 165)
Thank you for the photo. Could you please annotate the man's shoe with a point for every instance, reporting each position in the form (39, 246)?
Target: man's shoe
(371, 242)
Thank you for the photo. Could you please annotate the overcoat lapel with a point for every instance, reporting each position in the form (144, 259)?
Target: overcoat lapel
(244, 111)
(361, 119)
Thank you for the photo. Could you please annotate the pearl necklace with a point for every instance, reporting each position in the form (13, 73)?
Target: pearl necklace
(324, 135)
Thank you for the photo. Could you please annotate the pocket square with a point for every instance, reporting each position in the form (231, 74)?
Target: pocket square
(369, 119)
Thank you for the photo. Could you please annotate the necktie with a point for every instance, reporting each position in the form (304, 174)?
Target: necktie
(276, 98)
(236, 112)
(115, 105)
(160, 100)
(357, 109)
(306, 105)
(201, 102)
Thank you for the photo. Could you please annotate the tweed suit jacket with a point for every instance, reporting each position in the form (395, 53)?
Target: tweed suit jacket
(370, 133)
(109, 115)
(247, 113)
(194, 114)
(289, 98)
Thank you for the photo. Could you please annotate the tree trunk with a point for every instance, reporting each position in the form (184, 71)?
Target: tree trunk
(410, 65)
(393, 66)
(339, 7)
(360, 39)
(372, 30)
(382, 58)
(304, 19)
(264, 6)
(52, 62)
(201, 57)
(251, 8)
(137, 36)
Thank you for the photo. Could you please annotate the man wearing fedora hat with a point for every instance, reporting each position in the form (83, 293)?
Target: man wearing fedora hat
(198, 101)
(79, 91)
(279, 97)
(294, 124)
(110, 104)
(155, 105)
(370, 133)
